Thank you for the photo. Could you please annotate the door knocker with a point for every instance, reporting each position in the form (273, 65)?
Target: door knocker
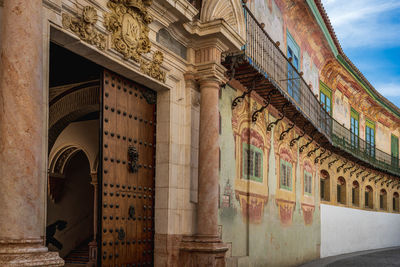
(131, 212)
(133, 157)
(121, 234)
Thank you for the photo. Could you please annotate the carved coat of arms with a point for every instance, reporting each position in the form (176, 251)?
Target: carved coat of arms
(128, 23)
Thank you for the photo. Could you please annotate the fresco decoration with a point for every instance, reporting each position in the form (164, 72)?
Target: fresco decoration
(308, 185)
(285, 160)
(227, 207)
(252, 147)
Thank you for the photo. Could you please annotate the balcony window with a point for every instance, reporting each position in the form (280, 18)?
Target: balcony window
(370, 138)
(325, 185)
(395, 151)
(341, 191)
(369, 197)
(307, 183)
(286, 175)
(325, 96)
(293, 53)
(355, 194)
(396, 202)
(383, 200)
(252, 163)
(354, 128)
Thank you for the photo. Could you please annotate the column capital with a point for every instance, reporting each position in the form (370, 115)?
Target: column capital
(211, 72)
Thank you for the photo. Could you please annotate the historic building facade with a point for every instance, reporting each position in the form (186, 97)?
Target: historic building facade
(188, 133)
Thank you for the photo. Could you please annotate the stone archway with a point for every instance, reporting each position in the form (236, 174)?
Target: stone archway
(70, 205)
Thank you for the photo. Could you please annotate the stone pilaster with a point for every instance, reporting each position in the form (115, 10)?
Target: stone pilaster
(22, 155)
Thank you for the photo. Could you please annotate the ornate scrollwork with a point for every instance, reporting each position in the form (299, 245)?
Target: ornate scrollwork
(355, 170)
(320, 155)
(341, 166)
(133, 157)
(149, 95)
(153, 67)
(128, 22)
(84, 27)
(328, 156)
(281, 116)
(332, 162)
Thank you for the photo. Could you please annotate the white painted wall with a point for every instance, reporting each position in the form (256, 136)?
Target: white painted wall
(345, 230)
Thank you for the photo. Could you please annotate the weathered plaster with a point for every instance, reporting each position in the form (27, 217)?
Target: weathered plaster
(265, 241)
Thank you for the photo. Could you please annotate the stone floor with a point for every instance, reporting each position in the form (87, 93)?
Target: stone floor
(369, 258)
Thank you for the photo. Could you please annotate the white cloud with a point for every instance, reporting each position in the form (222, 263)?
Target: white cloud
(389, 89)
(365, 23)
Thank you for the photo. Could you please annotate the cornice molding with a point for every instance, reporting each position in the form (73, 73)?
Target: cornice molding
(218, 29)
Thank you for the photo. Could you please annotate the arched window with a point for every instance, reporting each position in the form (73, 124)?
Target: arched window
(369, 197)
(341, 190)
(396, 202)
(325, 186)
(383, 199)
(355, 194)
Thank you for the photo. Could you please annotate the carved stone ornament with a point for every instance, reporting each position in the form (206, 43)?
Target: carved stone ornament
(84, 27)
(128, 23)
(153, 68)
(149, 95)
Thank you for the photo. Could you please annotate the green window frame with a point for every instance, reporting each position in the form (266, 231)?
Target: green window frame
(285, 175)
(354, 128)
(252, 163)
(395, 150)
(325, 97)
(307, 183)
(370, 138)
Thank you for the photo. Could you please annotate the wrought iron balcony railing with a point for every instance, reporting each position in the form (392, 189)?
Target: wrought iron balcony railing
(264, 55)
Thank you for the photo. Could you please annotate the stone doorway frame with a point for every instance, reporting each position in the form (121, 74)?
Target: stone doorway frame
(110, 61)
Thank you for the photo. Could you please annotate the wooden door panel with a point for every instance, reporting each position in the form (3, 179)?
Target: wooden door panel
(127, 188)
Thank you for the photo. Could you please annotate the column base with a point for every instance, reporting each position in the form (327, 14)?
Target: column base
(27, 252)
(92, 254)
(199, 251)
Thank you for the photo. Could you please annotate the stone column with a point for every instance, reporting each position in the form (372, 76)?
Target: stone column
(206, 248)
(207, 208)
(93, 243)
(22, 155)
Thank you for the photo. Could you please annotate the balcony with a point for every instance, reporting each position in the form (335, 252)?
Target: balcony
(262, 67)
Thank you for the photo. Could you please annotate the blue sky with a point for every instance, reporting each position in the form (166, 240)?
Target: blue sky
(369, 32)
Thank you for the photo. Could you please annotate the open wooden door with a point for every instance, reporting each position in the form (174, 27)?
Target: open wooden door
(128, 159)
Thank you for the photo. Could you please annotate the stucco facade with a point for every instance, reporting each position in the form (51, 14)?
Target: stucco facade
(178, 122)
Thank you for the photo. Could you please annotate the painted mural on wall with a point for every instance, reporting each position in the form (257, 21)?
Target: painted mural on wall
(267, 12)
(310, 73)
(268, 194)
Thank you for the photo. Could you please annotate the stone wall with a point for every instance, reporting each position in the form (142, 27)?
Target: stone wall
(345, 230)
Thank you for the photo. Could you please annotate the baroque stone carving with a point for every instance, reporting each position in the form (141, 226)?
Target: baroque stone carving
(84, 27)
(128, 23)
(149, 95)
(153, 68)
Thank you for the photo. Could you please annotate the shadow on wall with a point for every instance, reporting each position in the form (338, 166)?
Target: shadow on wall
(75, 206)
